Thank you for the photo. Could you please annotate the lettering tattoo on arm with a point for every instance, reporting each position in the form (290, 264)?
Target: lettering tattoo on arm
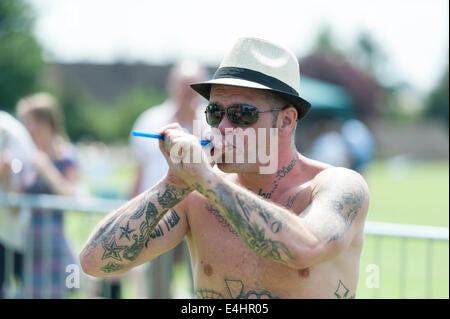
(149, 229)
(170, 221)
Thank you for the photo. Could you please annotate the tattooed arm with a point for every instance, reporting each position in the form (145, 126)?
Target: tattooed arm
(145, 227)
(337, 212)
(323, 230)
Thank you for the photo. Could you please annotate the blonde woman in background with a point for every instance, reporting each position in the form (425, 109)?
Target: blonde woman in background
(57, 173)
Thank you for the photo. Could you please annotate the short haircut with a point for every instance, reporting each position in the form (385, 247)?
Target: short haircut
(277, 101)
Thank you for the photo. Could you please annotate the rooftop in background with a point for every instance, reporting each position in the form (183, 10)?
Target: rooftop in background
(107, 82)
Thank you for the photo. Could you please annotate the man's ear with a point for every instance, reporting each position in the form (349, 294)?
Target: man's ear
(288, 117)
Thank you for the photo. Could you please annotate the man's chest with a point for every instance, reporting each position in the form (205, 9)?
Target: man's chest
(221, 259)
(219, 248)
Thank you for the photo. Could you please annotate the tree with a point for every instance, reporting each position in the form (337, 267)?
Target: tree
(325, 43)
(370, 53)
(330, 64)
(20, 54)
(439, 99)
(363, 89)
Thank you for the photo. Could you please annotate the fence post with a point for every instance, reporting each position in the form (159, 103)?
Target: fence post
(378, 257)
(429, 269)
(161, 276)
(8, 270)
(28, 261)
(187, 260)
(402, 271)
(45, 249)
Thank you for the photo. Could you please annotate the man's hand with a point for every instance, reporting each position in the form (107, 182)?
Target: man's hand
(187, 159)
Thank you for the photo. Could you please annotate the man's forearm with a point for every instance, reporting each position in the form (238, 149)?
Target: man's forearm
(261, 224)
(119, 239)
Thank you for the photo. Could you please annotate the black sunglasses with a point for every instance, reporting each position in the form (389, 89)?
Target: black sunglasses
(237, 114)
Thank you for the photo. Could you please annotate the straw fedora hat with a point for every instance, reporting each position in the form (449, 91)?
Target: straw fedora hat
(259, 64)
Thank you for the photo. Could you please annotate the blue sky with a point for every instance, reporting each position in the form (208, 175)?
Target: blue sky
(412, 33)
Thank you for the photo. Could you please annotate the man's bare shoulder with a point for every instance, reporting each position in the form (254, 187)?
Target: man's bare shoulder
(339, 176)
(343, 183)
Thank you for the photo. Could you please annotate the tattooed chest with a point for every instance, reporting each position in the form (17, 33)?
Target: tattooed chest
(227, 256)
(245, 277)
(210, 272)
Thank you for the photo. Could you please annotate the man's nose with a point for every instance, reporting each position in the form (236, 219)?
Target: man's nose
(225, 124)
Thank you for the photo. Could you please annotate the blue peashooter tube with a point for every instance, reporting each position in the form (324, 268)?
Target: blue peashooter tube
(160, 136)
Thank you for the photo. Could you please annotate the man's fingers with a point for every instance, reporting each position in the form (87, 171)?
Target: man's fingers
(161, 130)
(181, 149)
(171, 137)
(171, 126)
(209, 149)
(168, 132)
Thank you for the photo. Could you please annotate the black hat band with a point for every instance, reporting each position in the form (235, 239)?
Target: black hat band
(254, 76)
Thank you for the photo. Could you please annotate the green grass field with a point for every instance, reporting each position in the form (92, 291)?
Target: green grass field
(414, 193)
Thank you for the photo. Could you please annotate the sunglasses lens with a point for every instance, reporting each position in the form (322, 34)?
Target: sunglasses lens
(242, 114)
(213, 115)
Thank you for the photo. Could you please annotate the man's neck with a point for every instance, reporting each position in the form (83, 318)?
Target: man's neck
(270, 185)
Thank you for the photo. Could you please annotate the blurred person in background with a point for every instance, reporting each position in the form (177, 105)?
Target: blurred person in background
(346, 143)
(183, 105)
(57, 173)
(16, 149)
(330, 146)
(360, 144)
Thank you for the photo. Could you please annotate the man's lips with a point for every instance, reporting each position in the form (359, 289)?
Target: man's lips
(223, 143)
(222, 147)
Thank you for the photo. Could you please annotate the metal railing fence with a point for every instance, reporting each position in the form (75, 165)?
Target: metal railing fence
(92, 209)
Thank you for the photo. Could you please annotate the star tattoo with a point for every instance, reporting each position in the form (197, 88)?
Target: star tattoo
(126, 231)
(112, 250)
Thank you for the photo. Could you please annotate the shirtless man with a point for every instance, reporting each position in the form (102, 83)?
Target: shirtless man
(295, 233)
